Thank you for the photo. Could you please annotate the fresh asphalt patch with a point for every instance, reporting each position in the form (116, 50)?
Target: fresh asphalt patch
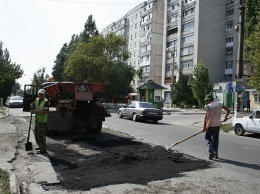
(84, 161)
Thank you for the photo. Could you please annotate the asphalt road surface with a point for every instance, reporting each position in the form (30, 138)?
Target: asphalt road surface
(127, 157)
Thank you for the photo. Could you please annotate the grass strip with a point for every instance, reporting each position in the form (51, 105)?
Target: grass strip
(4, 182)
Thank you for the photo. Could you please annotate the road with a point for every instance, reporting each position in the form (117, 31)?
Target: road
(239, 156)
(239, 164)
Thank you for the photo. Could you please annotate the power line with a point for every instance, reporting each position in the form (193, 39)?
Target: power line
(89, 2)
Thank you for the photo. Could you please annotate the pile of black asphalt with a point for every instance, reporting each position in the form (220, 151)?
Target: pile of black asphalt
(114, 158)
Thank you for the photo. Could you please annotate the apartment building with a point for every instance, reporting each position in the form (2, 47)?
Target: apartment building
(199, 30)
(143, 26)
(169, 36)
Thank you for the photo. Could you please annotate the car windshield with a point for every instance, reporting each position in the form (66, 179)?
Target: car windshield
(16, 98)
(146, 105)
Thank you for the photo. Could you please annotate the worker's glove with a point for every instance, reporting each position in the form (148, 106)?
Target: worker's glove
(32, 106)
(33, 111)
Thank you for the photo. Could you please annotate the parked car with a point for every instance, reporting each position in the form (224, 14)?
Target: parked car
(137, 110)
(249, 124)
(15, 101)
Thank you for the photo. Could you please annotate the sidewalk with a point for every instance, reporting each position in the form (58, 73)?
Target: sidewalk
(27, 171)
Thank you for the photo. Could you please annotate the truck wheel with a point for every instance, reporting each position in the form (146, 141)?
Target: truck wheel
(134, 117)
(120, 114)
(239, 130)
(97, 129)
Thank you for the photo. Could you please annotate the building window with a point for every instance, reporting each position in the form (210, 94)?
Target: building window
(172, 19)
(145, 48)
(174, 7)
(168, 67)
(229, 39)
(229, 64)
(188, 38)
(187, 50)
(230, 25)
(146, 69)
(188, 25)
(229, 50)
(171, 43)
(257, 98)
(228, 77)
(187, 64)
(187, 1)
(188, 12)
(172, 31)
(230, 12)
(145, 60)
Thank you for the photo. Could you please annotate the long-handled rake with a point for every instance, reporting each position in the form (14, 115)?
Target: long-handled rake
(168, 147)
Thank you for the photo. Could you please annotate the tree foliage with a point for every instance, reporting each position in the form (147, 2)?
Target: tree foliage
(39, 77)
(9, 72)
(101, 60)
(200, 83)
(182, 91)
(90, 30)
(253, 54)
(251, 13)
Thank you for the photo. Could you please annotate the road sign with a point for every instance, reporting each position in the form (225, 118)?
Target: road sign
(248, 69)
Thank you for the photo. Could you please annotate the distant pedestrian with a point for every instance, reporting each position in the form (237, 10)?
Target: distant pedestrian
(40, 107)
(248, 105)
(212, 124)
(115, 98)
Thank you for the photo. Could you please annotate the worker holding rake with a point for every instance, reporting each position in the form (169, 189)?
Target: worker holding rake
(212, 124)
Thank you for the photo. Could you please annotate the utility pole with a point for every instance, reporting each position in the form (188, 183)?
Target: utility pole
(173, 56)
(240, 48)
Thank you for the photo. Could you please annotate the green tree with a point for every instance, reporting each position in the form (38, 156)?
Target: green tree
(17, 91)
(101, 60)
(252, 8)
(9, 73)
(90, 29)
(182, 92)
(253, 54)
(61, 59)
(39, 77)
(200, 83)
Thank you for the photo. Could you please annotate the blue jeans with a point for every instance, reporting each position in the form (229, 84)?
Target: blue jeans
(212, 139)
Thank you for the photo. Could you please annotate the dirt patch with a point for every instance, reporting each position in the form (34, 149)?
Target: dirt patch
(89, 161)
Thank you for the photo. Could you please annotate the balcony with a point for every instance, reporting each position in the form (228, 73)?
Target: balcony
(188, 5)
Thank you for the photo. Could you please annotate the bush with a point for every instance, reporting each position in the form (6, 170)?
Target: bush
(183, 104)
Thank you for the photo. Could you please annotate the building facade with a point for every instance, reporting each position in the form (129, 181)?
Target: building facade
(169, 36)
(143, 27)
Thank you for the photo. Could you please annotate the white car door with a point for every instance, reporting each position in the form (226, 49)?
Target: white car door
(254, 123)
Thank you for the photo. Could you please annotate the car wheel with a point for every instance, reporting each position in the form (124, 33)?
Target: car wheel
(155, 121)
(134, 117)
(239, 130)
(120, 114)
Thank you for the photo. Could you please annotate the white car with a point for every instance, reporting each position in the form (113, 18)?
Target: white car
(249, 124)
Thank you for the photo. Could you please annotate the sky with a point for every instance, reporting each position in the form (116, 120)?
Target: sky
(34, 31)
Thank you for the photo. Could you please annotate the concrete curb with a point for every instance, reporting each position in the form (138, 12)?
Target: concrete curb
(14, 184)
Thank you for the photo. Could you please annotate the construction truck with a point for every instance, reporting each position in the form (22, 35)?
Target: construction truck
(72, 105)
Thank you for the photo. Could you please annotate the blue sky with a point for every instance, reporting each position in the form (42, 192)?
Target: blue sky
(35, 30)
